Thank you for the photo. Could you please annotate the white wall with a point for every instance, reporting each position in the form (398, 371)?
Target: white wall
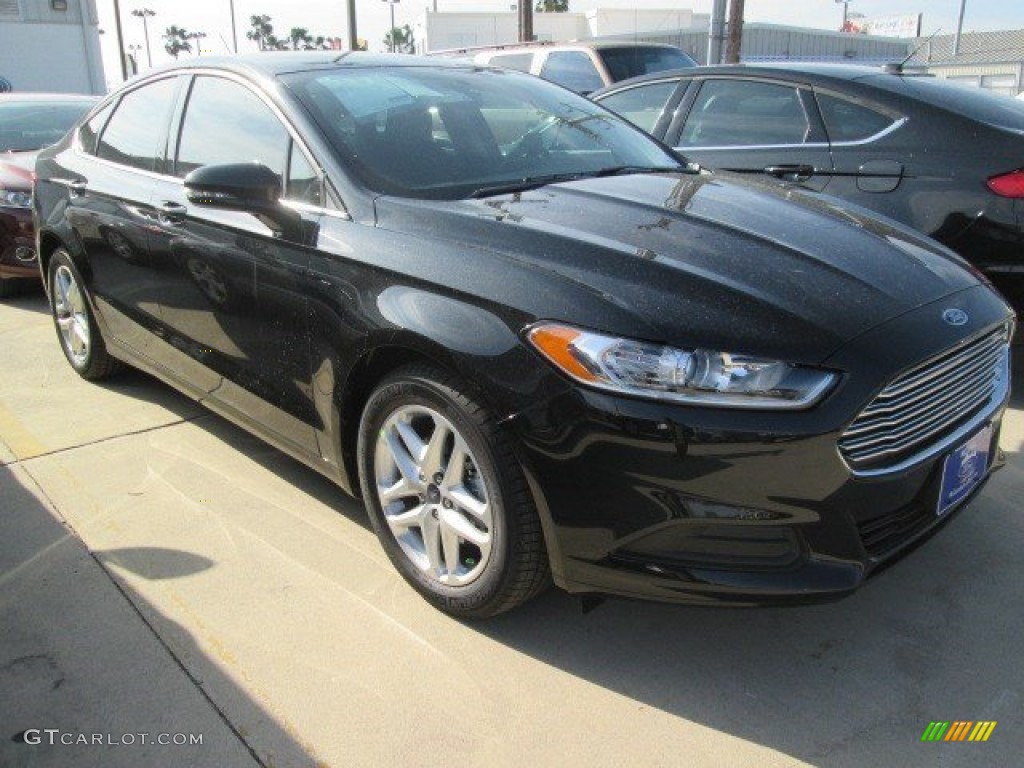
(50, 57)
(443, 31)
(46, 50)
(621, 21)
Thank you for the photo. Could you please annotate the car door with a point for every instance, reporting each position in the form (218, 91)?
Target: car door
(110, 180)
(754, 127)
(233, 307)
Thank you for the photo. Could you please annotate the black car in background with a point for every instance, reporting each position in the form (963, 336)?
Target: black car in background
(946, 159)
(537, 344)
(28, 122)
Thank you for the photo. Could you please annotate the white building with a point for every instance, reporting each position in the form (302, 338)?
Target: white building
(444, 31)
(51, 45)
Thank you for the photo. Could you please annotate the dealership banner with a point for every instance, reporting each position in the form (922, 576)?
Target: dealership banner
(886, 26)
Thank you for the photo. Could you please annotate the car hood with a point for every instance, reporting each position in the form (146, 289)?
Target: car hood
(699, 260)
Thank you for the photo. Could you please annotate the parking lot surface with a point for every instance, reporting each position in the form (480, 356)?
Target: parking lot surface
(164, 574)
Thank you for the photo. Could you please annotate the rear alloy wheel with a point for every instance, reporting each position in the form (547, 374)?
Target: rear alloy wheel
(76, 327)
(463, 533)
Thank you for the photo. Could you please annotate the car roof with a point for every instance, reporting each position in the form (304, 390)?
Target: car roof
(805, 71)
(272, 63)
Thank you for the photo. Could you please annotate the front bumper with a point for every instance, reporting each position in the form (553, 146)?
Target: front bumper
(699, 505)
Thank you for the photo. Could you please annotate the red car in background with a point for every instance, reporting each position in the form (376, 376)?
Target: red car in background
(28, 122)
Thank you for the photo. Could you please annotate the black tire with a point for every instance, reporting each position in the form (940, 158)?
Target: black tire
(516, 566)
(93, 362)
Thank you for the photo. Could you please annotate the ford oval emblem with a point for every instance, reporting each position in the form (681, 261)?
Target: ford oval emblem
(955, 317)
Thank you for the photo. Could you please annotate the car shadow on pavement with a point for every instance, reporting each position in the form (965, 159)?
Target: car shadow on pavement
(84, 653)
(30, 298)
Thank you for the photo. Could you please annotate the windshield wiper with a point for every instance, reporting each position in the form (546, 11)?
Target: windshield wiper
(524, 185)
(535, 182)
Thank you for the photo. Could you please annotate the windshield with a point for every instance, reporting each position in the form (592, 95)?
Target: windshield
(632, 61)
(29, 125)
(449, 133)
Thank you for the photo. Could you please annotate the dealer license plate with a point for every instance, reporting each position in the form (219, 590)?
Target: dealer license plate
(963, 469)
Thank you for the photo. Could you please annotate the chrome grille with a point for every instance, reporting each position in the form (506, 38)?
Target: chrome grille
(928, 402)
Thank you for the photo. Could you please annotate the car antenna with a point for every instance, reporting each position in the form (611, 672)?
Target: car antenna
(897, 69)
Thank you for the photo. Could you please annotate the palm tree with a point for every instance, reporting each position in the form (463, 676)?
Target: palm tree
(300, 39)
(400, 40)
(552, 6)
(198, 37)
(262, 31)
(176, 40)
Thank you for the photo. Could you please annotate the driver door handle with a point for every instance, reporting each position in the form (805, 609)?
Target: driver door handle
(790, 172)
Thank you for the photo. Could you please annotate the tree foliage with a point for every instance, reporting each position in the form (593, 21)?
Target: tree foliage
(552, 6)
(260, 30)
(400, 40)
(176, 40)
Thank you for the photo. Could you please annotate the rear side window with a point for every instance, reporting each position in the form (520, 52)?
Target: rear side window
(738, 113)
(572, 69)
(642, 105)
(225, 122)
(519, 61)
(848, 121)
(135, 134)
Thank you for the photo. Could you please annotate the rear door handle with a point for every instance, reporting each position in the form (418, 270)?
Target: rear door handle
(171, 212)
(790, 172)
(78, 187)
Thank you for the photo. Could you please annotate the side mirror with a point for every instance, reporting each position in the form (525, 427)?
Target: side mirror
(235, 186)
(248, 187)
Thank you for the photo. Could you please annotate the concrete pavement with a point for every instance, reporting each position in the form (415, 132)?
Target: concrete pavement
(162, 572)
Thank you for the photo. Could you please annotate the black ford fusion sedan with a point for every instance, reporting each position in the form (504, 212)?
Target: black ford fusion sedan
(539, 346)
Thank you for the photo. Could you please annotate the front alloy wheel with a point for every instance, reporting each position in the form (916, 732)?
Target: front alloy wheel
(447, 497)
(432, 494)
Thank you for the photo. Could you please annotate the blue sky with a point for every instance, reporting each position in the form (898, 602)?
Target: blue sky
(326, 17)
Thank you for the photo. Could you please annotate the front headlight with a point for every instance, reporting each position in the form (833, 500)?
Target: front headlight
(697, 376)
(15, 198)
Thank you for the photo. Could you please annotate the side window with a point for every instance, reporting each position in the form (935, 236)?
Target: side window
(89, 133)
(225, 122)
(642, 105)
(737, 113)
(572, 69)
(303, 184)
(135, 133)
(847, 121)
(520, 61)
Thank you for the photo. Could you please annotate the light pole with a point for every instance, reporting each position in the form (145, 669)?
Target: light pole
(846, 13)
(234, 33)
(135, 48)
(391, 34)
(959, 28)
(145, 13)
(120, 39)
